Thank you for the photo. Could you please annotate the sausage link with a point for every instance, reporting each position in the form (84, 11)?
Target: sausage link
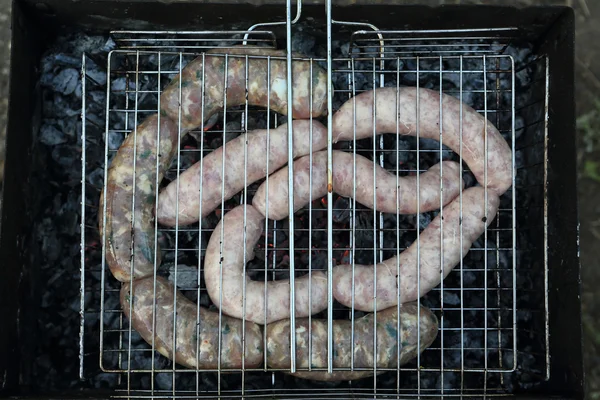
(473, 220)
(211, 168)
(233, 278)
(197, 340)
(415, 322)
(120, 190)
(212, 68)
(387, 193)
(474, 128)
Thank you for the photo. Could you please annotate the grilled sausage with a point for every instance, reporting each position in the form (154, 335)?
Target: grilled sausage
(386, 190)
(212, 170)
(139, 149)
(475, 217)
(263, 90)
(126, 227)
(197, 340)
(474, 128)
(230, 297)
(418, 329)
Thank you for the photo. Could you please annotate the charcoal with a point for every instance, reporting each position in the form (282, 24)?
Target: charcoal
(164, 380)
(451, 298)
(66, 81)
(52, 136)
(302, 43)
(187, 275)
(120, 84)
(114, 140)
(97, 75)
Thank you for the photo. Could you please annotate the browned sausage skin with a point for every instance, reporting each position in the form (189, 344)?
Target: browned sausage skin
(392, 116)
(228, 267)
(389, 197)
(418, 329)
(417, 279)
(209, 171)
(212, 67)
(120, 191)
(196, 340)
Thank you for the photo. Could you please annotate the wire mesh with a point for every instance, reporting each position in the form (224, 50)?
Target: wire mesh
(476, 346)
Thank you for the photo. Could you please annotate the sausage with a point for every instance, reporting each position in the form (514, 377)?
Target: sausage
(387, 192)
(197, 340)
(212, 67)
(499, 169)
(277, 296)
(125, 228)
(120, 189)
(418, 329)
(211, 168)
(474, 220)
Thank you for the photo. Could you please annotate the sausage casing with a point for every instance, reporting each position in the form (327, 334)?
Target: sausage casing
(220, 182)
(479, 139)
(262, 91)
(264, 302)
(121, 212)
(418, 326)
(197, 340)
(420, 269)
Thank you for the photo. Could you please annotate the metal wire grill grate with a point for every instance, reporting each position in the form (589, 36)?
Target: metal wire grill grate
(453, 42)
(476, 346)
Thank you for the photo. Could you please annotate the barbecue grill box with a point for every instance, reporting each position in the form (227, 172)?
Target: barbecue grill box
(547, 343)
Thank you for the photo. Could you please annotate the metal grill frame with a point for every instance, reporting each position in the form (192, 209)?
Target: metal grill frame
(379, 215)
